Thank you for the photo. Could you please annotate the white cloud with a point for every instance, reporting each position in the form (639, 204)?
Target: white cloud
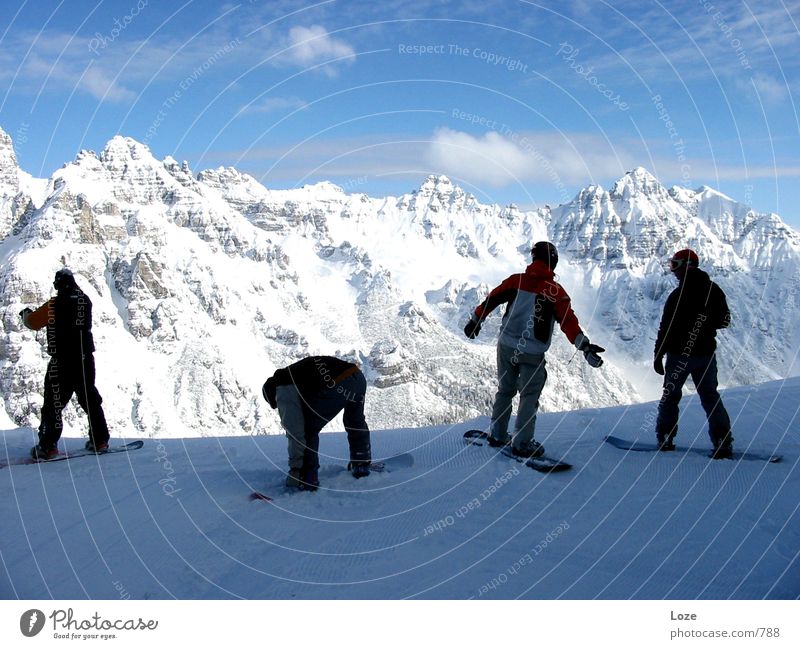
(500, 160)
(113, 70)
(312, 45)
(769, 89)
(762, 88)
(492, 158)
(271, 104)
(64, 61)
(337, 159)
(97, 84)
(559, 163)
(567, 161)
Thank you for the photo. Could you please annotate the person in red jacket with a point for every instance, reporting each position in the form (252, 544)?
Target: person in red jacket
(535, 302)
(307, 395)
(687, 336)
(68, 319)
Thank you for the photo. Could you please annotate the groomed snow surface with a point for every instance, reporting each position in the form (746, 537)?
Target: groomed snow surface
(173, 520)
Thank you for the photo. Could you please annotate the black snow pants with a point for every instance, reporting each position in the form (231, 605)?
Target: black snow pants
(68, 375)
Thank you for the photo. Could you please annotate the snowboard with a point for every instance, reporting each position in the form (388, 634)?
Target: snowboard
(543, 464)
(69, 455)
(638, 446)
(394, 463)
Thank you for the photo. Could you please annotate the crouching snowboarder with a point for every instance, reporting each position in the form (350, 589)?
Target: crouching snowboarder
(308, 394)
(535, 303)
(687, 336)
(68, 318)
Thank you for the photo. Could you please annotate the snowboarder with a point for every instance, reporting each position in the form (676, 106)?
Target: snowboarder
(535, 303)
(68, 318)
(308, 394)
(687, 336)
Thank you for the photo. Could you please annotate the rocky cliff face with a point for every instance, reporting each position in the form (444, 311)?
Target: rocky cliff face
(9, 170)
(202, 286)
(17, 190)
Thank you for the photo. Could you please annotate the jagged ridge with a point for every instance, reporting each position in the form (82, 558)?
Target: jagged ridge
(204, 284)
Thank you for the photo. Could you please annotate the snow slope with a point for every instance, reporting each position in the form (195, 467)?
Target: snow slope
(174, 520)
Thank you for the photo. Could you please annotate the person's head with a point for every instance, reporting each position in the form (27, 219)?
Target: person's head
(545, 252)
(683, 261)
(64, 279)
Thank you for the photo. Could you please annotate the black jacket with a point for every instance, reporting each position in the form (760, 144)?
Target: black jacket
(693, 313)
(68, 318)
(310, 376)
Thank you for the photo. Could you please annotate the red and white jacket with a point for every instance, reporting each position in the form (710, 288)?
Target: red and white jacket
(535, 303)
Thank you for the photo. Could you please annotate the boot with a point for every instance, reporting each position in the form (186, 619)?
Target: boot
(723, 445)
(40, 452)
(531, 449)
(309, 480)
(496, 443)
(664, 439)
(99, 447)
(293, 479)
(359, 469)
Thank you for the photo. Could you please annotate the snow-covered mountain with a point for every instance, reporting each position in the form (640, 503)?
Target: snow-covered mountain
(204, 284)
(618, 240)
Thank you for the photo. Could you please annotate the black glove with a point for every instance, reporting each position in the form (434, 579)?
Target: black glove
(590, 353)
(658, 365)
(25, 312)
(472, 329)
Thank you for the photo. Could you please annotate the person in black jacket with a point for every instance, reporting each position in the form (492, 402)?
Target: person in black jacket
(308, 394)
(68, 318)
(687, 336)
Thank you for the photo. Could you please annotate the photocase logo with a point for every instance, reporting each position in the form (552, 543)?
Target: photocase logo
(31, 622)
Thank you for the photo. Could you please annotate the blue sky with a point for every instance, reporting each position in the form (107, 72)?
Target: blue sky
(523, 102)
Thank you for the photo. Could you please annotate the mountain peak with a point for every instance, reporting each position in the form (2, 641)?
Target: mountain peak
(637, 180)
(441, 187)
(640, 172)
(5, 138)
(8, 164)
(120, 147)
(437, 192)
(440, 184)
(223, 176)
(712, 191)
(640, 176)
(325, 187)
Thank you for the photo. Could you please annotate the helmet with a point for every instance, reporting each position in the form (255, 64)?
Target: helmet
(685, 257)
(63, 279)
(546, 252)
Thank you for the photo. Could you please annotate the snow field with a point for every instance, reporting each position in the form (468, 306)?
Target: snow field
(174, 519)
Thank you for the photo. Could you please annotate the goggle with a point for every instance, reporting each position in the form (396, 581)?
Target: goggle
(675, 264)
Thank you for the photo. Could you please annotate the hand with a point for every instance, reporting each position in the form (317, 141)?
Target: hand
(581, 341)
(590, 353)
(658, 365)
(472, 329)
(25, 312)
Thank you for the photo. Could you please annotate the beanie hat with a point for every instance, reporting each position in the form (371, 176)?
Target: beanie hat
(546, 252)
(685, 256)
(64, 279)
